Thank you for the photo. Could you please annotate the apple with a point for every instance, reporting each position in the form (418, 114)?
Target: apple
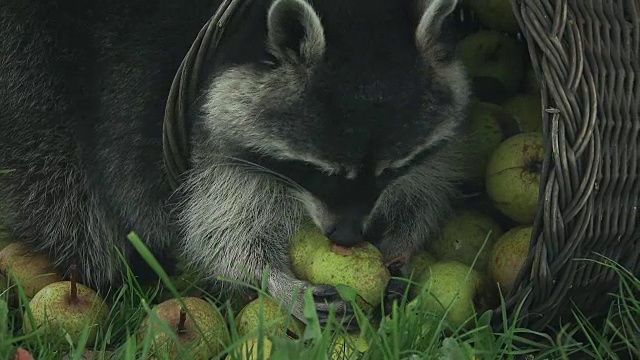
(527, 110)
(250, 349)
(464, 236)
(32, 270)
(360, 267)
(495, 63)
(508, 255)
(513, 176)
(304, 244)
(67, 308)
(494, 14)
(22, 354)
(199, 328)
(269, 312)
(450, 290)
(419, 265)
(489, 124)
(349, 346)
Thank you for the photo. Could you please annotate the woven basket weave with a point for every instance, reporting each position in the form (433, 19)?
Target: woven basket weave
(586, 55)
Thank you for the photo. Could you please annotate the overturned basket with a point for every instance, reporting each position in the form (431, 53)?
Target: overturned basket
(586, 56)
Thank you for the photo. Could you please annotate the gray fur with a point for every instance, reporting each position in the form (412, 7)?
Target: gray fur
(313, 44)
(256, 211)
(352, 94)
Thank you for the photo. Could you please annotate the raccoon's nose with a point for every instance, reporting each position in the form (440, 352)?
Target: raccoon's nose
(347, 233)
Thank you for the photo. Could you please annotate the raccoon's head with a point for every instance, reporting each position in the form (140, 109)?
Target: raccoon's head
(348, 97)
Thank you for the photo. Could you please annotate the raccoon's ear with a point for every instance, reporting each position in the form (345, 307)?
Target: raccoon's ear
(434, 12)
(295, 33)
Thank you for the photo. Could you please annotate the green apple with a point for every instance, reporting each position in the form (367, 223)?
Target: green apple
(527, 110)
(420, 262)
(67, 308)
(419, 265)
(360, 267)
(32, 270)
(464, 236)
(250, 349)
(495, 14)
(200, 329)
(489, 124)
(508, 255)
(513, 176)
(349, 346)
(304, 245)
(267, 311)
(495, 63)
(450, 290)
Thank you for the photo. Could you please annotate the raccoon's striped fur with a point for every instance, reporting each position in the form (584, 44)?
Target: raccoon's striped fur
(345, 111)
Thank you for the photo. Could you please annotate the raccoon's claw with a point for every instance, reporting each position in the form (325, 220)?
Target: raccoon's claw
(396, 288)
(394, 292)
(323, 291)
(326, 297)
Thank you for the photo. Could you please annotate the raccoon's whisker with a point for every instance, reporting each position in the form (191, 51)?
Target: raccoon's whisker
(287, 180)
(280, 178)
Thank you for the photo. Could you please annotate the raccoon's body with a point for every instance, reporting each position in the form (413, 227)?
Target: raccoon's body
(344, 111)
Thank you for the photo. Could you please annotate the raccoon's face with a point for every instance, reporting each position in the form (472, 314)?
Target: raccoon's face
(351, 97)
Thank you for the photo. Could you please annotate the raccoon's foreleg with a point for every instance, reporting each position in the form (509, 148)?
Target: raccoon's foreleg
(52, 210)
(411, 212)
(237, 223)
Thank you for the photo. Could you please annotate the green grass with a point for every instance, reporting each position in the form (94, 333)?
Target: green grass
(406, 334)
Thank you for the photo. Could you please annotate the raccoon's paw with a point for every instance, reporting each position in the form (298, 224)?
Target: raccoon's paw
(395, 292)
(396, 289)
(327, 297)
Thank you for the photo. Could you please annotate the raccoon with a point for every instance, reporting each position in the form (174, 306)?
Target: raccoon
(345, 112)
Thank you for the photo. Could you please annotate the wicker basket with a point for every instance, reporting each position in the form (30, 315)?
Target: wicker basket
(586, 55)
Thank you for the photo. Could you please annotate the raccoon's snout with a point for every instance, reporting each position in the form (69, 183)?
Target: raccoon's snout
(346, 232)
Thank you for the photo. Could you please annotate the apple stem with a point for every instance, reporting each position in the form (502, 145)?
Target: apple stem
(537, 165)
(183, 319)
(73, 270)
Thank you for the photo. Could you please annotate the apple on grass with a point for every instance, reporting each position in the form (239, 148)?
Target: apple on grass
(200, 329)
(349, 346)
(67, 308)
(271, 314)
(33, 271)
(450, 289)
(513, 176)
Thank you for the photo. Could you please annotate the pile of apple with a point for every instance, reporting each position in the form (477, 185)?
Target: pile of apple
(185, 328)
